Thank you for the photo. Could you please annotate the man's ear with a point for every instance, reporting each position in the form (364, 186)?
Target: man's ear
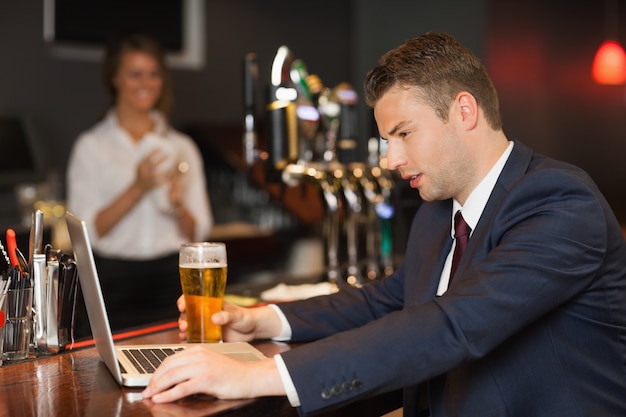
(468, 108)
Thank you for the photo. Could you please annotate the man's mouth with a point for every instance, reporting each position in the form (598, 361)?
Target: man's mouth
(414, 180)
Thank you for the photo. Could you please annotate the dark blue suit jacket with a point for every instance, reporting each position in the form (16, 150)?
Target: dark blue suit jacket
(534, 324)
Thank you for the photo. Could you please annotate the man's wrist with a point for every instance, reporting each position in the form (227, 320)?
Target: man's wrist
(290, 389)
(282, 332)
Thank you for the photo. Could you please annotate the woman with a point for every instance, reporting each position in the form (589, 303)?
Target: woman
(139, 185)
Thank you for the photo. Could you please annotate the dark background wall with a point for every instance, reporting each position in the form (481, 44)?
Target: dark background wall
(538, 53)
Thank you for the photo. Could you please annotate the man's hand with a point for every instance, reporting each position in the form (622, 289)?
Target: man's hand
(239, 324)
(182, 318)
(197, 370)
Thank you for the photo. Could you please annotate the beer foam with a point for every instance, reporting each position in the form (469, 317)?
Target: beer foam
(203, 265)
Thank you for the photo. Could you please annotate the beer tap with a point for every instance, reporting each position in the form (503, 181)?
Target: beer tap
(346, 144)
(330, 110)
(385, 212)
(351, 194)
(281, 86)
(250, 143)
(307, 113)
(331, 226)
(302, 114)
(324, 176)
(372, 197)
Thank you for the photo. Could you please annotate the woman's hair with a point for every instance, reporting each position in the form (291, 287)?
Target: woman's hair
(136, 42)
(440, 68)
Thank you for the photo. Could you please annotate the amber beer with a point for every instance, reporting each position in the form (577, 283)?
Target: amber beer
(203, 271)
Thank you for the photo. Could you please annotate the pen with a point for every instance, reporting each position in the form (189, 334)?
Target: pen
(11, 246)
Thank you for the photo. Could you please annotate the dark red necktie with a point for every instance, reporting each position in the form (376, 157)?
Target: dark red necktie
(461, 236)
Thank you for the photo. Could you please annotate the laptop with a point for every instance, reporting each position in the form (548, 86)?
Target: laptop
(130, 365)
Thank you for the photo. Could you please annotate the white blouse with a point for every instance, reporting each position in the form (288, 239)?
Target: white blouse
(103, 163)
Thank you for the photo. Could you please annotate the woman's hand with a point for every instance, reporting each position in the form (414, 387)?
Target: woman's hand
(175, 193)
(151, 172)
(185, 219)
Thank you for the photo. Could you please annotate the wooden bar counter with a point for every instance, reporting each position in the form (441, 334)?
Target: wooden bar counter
(76, 383)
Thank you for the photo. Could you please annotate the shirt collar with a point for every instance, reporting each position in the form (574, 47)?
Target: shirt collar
(160, 125)
(477, 200)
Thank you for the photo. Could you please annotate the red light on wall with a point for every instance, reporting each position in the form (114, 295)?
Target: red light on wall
(609, 64)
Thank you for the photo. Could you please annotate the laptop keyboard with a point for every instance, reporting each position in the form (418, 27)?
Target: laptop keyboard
(146, 360)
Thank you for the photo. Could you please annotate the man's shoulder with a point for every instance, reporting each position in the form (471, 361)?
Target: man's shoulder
(527, 164)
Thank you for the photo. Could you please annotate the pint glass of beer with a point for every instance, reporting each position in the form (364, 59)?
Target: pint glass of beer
(203, 268)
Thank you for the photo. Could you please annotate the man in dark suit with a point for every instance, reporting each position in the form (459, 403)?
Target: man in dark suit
(533, 321)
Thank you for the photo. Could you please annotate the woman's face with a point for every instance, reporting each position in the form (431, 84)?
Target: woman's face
(139, 81)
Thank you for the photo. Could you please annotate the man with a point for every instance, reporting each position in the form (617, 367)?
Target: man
(533, 322)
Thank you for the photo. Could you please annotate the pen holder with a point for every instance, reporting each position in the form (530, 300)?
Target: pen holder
(17, 328)
(55, 283)
(68, 288)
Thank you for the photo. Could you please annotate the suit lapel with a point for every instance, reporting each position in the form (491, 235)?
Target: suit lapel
(515, 167)
(427, 250)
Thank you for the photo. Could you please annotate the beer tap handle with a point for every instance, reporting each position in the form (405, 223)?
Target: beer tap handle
(250, 74)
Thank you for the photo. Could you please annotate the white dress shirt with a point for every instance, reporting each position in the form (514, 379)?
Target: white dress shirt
(103, 163)
(472, 210)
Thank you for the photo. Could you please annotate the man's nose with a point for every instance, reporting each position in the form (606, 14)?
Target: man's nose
(395, 156)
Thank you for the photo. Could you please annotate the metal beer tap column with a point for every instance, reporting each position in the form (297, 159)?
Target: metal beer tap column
(352, 196)
(375, 184)
(372, 197)
(325, 177)
(332, 228)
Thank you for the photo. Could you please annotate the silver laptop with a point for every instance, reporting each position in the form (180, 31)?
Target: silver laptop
(130, 365)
